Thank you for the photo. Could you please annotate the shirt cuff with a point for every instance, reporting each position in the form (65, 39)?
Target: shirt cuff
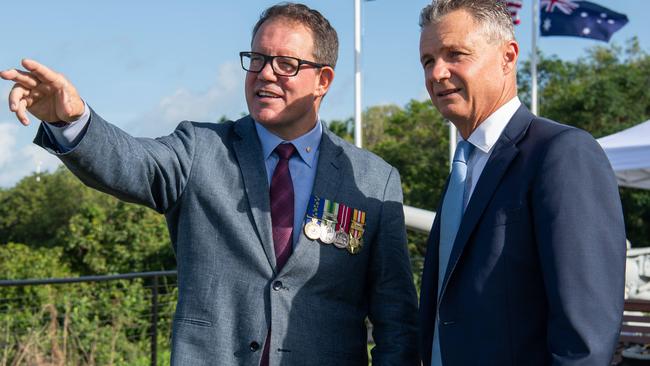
(68, 135)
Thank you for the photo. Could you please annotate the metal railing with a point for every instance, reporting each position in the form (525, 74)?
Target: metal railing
(418, 219)
(154, 287)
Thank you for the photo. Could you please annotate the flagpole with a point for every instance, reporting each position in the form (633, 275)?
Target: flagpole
(357, 74)
(533, 59)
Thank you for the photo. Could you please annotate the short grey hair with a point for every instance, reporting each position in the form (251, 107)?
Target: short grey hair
(492, 15)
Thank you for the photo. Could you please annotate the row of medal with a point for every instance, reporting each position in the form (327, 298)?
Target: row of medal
(335, 223)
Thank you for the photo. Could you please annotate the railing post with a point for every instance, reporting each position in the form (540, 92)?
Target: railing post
(154, 322)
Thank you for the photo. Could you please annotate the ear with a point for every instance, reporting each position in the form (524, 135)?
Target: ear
(326, 76)
(510, 56)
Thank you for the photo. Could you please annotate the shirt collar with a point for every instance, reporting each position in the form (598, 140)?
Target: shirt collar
(306, 145)
(488, 132)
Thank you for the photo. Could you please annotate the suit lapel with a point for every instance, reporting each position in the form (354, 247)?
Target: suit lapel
(328, 173)
(504, 152)
(326, 185)
(251, 163)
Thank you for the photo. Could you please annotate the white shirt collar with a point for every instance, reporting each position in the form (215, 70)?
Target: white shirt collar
(488, 132)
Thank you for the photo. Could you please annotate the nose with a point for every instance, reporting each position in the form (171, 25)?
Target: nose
(267, 73)
(440, 71)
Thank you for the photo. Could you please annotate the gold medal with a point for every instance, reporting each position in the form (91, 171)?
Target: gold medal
(354, 247)
(356, 232)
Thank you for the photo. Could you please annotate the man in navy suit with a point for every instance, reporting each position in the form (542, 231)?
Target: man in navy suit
(532, 270)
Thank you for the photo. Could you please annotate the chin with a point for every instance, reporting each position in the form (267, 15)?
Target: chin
(450, 113)
(270, 122)
(264, 115)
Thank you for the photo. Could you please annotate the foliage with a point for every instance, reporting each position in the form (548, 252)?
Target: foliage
(116, 237)
(70, 230)
(341, 128)
(98, 233)
(34, 210)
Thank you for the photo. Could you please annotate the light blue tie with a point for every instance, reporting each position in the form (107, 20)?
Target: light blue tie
(453, 206)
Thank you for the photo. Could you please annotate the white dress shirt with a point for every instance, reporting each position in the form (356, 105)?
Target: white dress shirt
(484, 138)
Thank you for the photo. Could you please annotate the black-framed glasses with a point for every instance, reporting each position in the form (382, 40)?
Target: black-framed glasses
(281, 65)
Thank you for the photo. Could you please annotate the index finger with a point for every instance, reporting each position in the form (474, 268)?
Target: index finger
(42, 72)
(21, 77)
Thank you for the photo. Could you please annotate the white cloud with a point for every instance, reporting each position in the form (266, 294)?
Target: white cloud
(19, 158)
(38, 158)
(7, 142)
(224, 97)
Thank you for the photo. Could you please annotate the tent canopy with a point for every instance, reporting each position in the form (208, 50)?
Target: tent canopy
(629, 153)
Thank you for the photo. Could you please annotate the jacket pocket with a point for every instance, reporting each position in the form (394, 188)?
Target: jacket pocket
(192, 321)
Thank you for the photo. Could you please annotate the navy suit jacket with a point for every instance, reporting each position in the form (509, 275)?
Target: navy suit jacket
(536, 275)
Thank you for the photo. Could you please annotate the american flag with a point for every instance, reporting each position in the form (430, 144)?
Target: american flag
(514, 6)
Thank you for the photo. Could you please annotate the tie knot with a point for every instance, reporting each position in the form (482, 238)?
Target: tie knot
(463, 149)
(285, 151)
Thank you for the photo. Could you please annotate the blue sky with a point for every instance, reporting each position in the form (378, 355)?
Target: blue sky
(146, 65)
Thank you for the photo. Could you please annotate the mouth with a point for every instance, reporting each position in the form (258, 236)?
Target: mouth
(264, 94)
(444, 93)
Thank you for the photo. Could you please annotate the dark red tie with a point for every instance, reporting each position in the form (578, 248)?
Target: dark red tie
(281, 218)
(282, 205)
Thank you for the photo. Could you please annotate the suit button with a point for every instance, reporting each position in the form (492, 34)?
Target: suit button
(277, 285)
(254, 346)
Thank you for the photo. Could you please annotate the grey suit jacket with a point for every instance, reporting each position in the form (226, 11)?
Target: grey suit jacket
(210, 182)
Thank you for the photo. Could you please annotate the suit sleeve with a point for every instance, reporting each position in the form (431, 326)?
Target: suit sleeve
(580, 235)
(151, 172)
(393, 301)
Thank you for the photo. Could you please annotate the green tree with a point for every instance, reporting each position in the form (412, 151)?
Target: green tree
(97, 233)
(33, 210)
(116, 237)
(342, 128)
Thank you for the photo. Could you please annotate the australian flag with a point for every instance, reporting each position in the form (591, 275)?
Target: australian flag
(579, 19)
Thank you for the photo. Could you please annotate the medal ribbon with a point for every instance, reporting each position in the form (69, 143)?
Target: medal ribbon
(331, 208)
(314, 209)
(343, 218)
(359, 218)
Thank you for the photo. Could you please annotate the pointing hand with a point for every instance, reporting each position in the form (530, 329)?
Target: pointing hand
(44, 93)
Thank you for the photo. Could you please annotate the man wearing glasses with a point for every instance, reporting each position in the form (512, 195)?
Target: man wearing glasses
(287, 238)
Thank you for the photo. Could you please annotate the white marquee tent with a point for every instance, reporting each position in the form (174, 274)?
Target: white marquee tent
(629, 153)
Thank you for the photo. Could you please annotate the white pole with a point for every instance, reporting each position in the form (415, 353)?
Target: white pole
(357, 74)
(533, 60)
(452, 142)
